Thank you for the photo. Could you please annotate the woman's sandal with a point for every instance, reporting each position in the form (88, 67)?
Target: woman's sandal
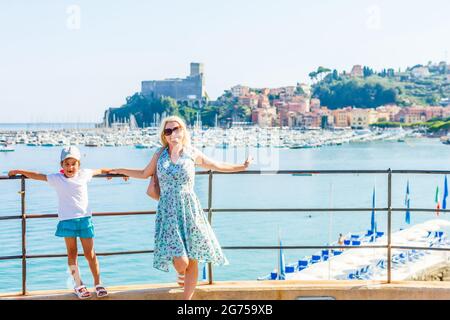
(82, 292)
(180, 279)
(100, 291)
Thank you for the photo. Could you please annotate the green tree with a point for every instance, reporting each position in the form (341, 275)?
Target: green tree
(313, 75)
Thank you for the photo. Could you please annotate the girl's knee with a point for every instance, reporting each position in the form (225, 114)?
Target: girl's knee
(90, 256)
(72, 253)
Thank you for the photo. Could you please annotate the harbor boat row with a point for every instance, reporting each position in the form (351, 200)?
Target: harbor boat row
(212, 137)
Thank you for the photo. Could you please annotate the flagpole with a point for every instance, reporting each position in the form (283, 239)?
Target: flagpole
(444, 199)
(330, 228)
(279, 255)
(436, 200)
(407, 204)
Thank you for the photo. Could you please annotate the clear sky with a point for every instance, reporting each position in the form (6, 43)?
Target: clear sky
(67, 61)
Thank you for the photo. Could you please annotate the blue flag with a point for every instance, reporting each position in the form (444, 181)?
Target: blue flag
(444, 200)
(281, 267)
(407, 199)
(372, 219)
(204, 271)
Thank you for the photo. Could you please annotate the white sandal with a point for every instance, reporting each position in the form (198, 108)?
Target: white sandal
(100, 291)
(82, 292)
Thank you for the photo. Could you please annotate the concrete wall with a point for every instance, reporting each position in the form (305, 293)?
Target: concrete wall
(437, 273)
(271, 290)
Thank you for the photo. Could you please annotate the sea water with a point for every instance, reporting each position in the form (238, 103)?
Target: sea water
(123, 233)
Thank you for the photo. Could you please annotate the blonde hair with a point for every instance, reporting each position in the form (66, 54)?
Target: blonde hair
(186, 137)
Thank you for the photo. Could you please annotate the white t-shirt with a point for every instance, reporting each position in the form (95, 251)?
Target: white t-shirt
(72, 194)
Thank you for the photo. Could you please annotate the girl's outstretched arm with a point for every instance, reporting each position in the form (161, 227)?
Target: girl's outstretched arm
(203, 161)
(96, 172)
(28, 174)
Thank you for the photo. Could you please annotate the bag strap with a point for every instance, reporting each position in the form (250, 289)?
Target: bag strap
(159, 154)
(160, 151)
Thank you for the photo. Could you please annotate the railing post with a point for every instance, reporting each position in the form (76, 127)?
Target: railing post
(210, 272)
(389, 227)
(24, 244)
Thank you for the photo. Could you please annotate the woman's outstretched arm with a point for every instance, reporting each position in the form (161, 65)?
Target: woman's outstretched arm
(145, 173)
(203, 161)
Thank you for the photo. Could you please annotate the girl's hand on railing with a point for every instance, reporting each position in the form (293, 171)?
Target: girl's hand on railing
(108, 172)
(13, 173)
(117, 171)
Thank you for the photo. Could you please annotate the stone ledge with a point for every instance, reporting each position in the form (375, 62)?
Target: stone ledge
(266, 290)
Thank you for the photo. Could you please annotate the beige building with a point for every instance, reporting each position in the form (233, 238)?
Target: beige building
(287, 92)
(411, 115)
(387, 112)
(312, 120)
(238, 91)
(342, 117)
(250, 100)
(359, 118)
(357, 71)
(420, 72)
(416, 114)
(314, 104)
(303, 101)
(264, 117)
(263, 101)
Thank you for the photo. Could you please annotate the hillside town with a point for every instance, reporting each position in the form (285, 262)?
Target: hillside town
(293, 106)
(356, 99)
(293, 110)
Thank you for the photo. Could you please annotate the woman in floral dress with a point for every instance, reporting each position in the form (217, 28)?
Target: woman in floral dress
(183, 235)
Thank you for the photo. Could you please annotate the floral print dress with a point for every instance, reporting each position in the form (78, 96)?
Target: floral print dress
(181, 227)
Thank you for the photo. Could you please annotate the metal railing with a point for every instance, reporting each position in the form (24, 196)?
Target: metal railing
(210, 210)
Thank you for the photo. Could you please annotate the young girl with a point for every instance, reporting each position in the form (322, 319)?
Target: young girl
(74, 214)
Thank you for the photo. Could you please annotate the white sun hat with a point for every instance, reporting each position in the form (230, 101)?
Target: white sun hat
(70, 152)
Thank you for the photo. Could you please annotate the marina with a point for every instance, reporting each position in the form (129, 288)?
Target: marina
(233, 137)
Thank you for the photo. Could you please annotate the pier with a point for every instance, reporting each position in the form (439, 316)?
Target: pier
(265, 290)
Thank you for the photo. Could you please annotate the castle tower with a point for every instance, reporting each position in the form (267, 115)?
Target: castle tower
(196, 69)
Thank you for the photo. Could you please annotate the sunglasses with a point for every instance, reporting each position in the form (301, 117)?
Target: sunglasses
(169, 131)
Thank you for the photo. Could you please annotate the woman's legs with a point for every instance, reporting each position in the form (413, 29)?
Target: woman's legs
(91, 257)
(72, 253)
(180, 264)
(190, 281)
(189, 268)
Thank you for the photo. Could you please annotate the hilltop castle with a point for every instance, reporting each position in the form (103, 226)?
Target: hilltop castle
(190, 88)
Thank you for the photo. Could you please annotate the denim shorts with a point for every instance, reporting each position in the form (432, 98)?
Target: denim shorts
(75, 228)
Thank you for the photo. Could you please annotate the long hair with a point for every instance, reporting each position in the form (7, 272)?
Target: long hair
(186, 137)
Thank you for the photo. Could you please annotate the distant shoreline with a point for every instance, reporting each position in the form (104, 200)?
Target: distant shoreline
(18, 126)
